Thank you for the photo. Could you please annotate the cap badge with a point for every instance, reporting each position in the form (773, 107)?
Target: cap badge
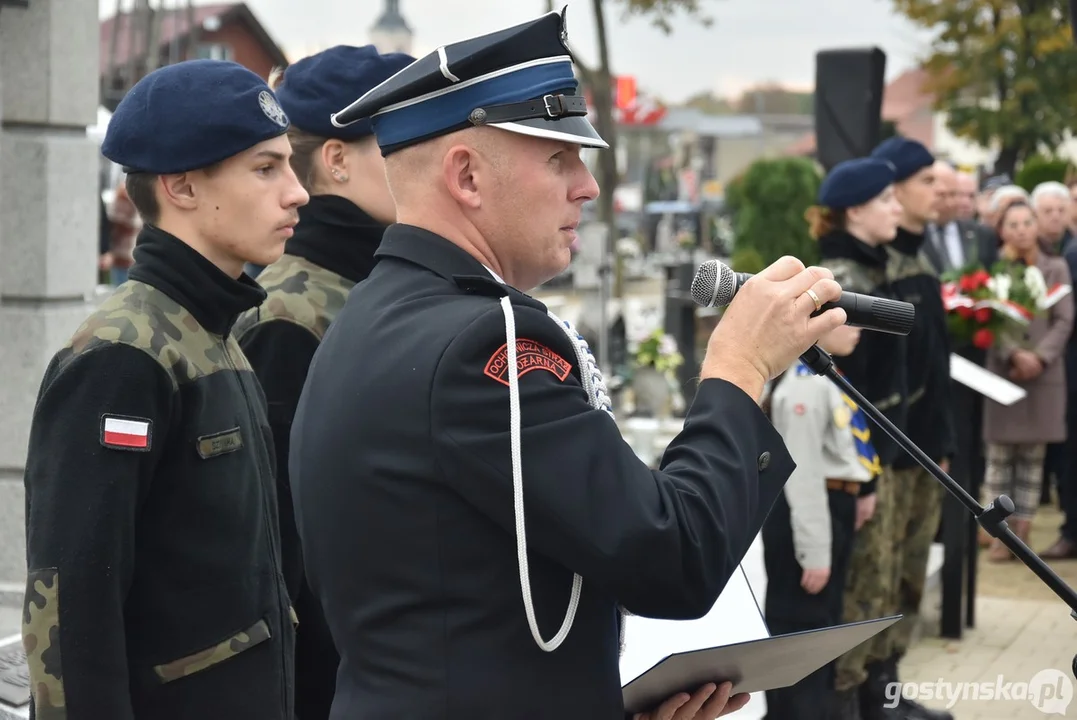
(272, 108)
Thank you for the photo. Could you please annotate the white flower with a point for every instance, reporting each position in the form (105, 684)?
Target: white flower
(1037, 286)
(667, 345)
(999, 285)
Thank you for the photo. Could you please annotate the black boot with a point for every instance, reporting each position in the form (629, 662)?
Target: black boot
(910, 709)
(845, 705)
(874, 703)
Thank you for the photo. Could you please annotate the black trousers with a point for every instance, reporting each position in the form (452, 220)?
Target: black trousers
(1067, 479)
(790, 609)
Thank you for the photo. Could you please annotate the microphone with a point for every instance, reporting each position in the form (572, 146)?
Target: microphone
(715, 284)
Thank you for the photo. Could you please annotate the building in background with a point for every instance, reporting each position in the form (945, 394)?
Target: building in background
(391, 33)
(137, 40)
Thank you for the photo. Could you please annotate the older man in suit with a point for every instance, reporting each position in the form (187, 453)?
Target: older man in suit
(954, 243)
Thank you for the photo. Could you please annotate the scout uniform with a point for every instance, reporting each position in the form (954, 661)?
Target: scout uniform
(332, 250)
(876, 368)
(152, 543)
(918, 510)
(812, 523)
(441, 398)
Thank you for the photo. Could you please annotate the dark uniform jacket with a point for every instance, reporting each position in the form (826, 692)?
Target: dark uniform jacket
(154, 588)
(930, 422)
(877, 368)
(332, 249)
(403, 484)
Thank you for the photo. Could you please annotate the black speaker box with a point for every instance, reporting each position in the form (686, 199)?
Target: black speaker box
(848, 101)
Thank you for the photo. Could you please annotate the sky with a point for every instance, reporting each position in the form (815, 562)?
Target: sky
(749, 42)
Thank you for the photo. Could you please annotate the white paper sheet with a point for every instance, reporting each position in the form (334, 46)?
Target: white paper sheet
(986, 383)
(734, 618)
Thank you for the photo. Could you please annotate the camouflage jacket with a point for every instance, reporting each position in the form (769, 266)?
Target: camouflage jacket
(154, 578)
(914, 280)
(878, 365)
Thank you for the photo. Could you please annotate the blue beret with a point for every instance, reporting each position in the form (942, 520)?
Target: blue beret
(855, 182)
(317, 86)
(191, 115)
(908, 156)
(519, 79)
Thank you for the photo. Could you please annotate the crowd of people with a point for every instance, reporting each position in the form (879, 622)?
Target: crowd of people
(849, 539)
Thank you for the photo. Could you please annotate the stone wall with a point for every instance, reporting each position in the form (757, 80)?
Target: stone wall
(48, 224)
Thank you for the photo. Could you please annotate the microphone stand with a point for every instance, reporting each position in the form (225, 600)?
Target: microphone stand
(992, 518)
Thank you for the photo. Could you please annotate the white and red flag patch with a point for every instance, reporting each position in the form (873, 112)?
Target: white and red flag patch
(125, 433)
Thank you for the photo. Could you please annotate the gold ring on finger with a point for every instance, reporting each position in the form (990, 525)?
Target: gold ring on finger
(814, 298)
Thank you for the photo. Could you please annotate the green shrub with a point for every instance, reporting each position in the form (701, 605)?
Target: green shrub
(768, 203)
(1038, 169)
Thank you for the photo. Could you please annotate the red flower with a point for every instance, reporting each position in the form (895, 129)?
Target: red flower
(983, 315)
(964, 312)
(980, 278)
(967, 283)
(983, 338)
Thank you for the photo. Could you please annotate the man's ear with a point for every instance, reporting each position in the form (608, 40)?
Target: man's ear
(459, 167)
(177, 190)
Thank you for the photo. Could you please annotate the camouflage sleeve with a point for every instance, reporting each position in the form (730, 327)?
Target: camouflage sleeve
(280, 352)
(97, 433)
(663, 542)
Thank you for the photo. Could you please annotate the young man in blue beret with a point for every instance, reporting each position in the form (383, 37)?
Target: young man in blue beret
(918, 495)
(152, 541)
(445, 406)
(332, 249)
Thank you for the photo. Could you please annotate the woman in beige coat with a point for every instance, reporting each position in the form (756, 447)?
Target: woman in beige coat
(1017, 435)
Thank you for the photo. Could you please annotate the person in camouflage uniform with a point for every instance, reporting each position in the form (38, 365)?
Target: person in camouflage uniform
(919, 496)
(154, 589)
(852, 233)
(332, 250)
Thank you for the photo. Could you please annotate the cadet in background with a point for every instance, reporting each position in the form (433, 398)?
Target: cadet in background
(808, 536)
(445, 405)
(856, 217)
(919, 496)
(152, 543)
(332, 250)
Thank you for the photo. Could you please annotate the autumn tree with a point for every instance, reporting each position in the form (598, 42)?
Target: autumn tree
(1004, 70)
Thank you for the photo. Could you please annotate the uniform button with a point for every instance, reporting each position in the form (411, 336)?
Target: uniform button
(764, 461)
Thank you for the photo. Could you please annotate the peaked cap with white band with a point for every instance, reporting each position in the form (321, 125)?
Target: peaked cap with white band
(519, 79)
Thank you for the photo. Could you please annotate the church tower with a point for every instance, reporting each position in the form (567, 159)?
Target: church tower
(391, 32)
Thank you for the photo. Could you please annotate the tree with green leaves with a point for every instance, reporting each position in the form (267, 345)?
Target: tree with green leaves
(1004, 71)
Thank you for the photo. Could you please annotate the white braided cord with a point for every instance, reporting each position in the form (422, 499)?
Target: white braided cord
(597, 394)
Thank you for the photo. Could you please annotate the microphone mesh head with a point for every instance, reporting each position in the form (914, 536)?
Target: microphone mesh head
(714, 285)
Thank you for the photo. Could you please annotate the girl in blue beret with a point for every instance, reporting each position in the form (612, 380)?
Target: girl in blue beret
(856, 217)
(332, 250)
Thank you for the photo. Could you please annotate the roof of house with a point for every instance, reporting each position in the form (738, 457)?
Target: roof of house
(175, 25)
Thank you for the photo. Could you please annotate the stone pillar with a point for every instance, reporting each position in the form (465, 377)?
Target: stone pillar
(48, 225)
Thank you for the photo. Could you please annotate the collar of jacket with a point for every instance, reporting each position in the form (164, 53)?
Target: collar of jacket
(179, 271)
(907, 242)
(842, 244)
(447, 259)
(336, 234)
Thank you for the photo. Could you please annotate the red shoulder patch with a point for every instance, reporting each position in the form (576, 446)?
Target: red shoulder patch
(530, 355)
(799, 409)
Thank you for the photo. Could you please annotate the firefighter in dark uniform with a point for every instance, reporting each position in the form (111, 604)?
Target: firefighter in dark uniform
(332, 249)
(918, 505)
(856, 218)
(445, 406)
(152, 542)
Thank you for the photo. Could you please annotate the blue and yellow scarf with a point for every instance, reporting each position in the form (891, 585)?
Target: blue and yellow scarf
(852, 417)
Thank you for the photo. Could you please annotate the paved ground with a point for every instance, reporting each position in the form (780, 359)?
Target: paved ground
(1022, 629)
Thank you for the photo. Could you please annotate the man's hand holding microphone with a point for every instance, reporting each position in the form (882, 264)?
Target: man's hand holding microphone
(769, 324)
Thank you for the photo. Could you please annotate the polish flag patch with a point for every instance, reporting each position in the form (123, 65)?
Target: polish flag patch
(125, 433)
